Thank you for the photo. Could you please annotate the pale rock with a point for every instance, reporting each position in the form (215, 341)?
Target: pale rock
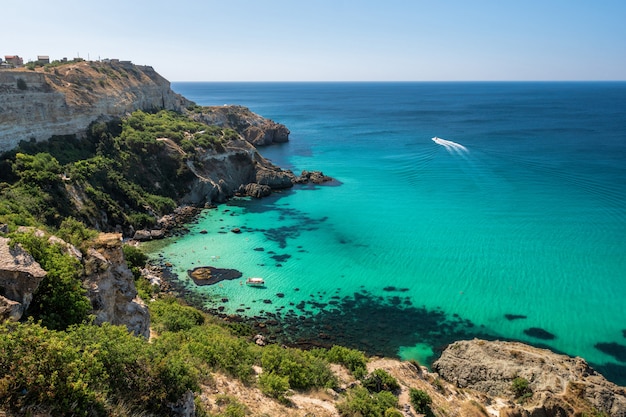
(111, 287)
(20, 276)
(555, 380)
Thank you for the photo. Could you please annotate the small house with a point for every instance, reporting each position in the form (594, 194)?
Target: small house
(14, 60)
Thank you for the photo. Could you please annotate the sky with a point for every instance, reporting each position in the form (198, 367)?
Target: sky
(330, 40)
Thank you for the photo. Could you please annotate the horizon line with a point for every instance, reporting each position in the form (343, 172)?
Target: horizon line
(398, 81)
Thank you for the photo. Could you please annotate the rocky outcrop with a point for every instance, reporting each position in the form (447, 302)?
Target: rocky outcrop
(20, 276)
(220, 174)
(255, 129)
(560, 385)
(111, 286)
(64, 101)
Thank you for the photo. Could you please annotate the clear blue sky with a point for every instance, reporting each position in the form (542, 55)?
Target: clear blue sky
(330, 40)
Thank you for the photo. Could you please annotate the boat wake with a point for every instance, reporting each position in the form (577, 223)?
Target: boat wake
(451, 147)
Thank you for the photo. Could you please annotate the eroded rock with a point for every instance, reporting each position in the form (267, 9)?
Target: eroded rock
(20, 276)
(111, 286)
(559, 383)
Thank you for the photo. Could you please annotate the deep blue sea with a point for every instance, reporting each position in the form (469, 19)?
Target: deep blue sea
(511, 226)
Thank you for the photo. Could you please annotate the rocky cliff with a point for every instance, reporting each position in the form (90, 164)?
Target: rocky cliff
(257, 130)
(66, 99)
(557, 384)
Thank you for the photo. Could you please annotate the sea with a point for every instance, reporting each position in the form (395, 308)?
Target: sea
(458, 210)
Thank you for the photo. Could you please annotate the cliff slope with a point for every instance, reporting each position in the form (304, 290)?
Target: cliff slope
(66, 99)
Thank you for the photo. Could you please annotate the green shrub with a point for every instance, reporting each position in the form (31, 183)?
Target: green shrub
(75, 232)
(354, 360)
(60, 300)
(219, 350)
(420, 400)
(274, 386)
(230, 407)
(380, 380)
(168, 314)
(521, 388)
(303, 369)
(134, 256)
(393, 412)
(360, 402)
(43, 367)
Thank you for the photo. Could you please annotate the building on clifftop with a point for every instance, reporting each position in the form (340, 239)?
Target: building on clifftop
(14, 60)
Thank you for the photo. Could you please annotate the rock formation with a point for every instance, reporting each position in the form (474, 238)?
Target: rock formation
(255, 129)
(111, 286)
(64, 101)
(560, 385)
(20, 276)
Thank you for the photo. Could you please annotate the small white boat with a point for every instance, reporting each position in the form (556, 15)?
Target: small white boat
(255, 282)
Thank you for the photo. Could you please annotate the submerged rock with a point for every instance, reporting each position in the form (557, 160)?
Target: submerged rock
(209, 275)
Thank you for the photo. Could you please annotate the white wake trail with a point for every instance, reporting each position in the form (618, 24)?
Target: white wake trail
(450, 146)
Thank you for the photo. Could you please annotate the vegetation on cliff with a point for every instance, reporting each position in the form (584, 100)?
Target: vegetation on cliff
(120, 175)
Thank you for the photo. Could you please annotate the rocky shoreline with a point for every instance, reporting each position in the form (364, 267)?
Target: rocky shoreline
(175, 223)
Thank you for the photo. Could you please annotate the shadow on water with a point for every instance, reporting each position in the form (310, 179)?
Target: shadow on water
(376, 325)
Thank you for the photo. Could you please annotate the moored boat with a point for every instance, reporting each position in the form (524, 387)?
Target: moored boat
(255, 282)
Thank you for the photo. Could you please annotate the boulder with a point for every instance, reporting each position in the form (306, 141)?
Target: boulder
(255, 190)
(315, 177)
(20, 276)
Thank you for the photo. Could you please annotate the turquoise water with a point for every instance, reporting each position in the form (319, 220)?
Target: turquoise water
(520, 211)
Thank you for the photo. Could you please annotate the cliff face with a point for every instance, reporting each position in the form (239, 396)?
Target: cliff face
(238, 169)
(560, 385)
(66, 99)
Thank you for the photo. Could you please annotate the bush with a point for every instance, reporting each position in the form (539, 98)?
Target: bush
(21, 84)
(521, 388)
(380, 380)
(393, 412)
(60, 300)
(134, 256)
(354, 360)
(303, 369)
(230, 407)
(360, 402)
(168, 314)
(274, 386)
(75, 232)
(420, 400)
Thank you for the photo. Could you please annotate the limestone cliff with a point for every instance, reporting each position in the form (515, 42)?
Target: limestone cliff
(66, 99)
(558, 384)
(220, 175)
